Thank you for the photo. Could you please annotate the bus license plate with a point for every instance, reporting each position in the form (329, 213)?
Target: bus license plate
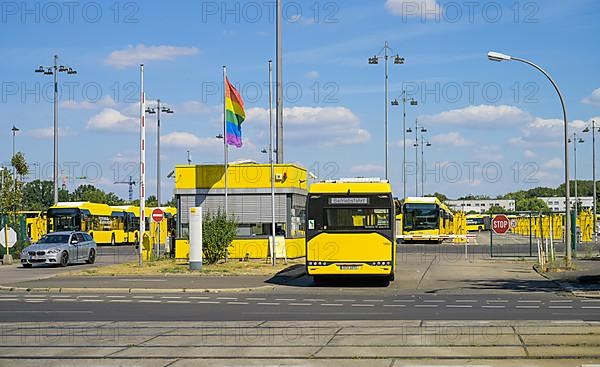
(349, 267)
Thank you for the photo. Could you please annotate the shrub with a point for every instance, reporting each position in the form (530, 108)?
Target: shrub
(217, 233)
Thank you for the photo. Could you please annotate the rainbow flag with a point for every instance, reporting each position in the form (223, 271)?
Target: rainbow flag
(234, 115)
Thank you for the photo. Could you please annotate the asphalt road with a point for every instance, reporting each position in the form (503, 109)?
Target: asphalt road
(21, 307)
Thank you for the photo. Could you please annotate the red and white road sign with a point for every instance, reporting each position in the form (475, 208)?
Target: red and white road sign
(158, 215)
(501, 224)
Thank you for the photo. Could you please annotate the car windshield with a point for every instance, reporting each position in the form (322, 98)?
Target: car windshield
(55, 238)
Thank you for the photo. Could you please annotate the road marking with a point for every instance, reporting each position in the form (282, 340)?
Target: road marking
(115, 296)
(143, 297)
(178, 301)
(237, 303)
(433, 301)
(170, 297)
(527, 306)
(466, 301)
(496, 301)
(120, 300)
(64, 300)
(492, 306)
(426, 305)
(8, 299)
(149, 301)
(285, 299)
(528, 301)
(60, 296)
(31, 296)
(35, 301)
(562, 301)
(92, 300)
(345, 300)
(404, 300)
(314, 299)
(590, 300)
(198, 297)
(593, 307)
(300, 304)
(394, 305)
(362, 305)
(331, 304)
(256, 299)
(269, 303)
(560, 306)
(227, 298)
(87, 296)
(372, 300)
(459, 306)
(208, 302)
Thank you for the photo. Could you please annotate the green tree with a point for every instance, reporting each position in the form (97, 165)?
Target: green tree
(217, 233)
(441, 197)
(532, 204)
(38, 195)
(497, 209)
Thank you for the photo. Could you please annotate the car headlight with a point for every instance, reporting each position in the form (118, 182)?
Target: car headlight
(53, 251)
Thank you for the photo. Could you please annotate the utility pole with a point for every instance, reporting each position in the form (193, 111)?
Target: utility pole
(279, 82)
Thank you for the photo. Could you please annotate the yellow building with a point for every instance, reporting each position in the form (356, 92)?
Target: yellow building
(249, 201)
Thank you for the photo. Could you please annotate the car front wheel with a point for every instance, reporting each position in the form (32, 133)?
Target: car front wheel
(91, 257)
(64, 259)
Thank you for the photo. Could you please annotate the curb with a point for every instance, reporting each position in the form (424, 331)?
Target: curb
(136, 290)
(565, 286)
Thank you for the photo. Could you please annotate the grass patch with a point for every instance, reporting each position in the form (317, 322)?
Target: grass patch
(171, 267)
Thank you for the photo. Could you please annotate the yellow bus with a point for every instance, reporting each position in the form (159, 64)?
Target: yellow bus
(350, 229)
(132, 214)
(35, 222)
(477, 222)
(107, 225)
(426, 219)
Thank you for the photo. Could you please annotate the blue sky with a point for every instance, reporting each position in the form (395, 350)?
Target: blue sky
(493, 127)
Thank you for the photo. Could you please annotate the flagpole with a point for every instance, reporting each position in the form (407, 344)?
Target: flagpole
(273, 253)
(142, 166)
(225, 150)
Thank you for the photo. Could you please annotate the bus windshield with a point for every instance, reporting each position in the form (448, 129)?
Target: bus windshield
(66, 219)
(357, 218)
(421, 216)
(474, 221)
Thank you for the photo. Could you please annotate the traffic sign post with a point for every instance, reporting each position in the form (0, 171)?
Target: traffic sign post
(8, 238)
(158, 215)
(501, 224)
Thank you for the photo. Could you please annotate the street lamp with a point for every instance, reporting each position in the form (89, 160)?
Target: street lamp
(497, 56)
(395, 102)
(575, 141)
(418, 129)
(593, 130)
(14, 132)
(54, 70)
(424, 143)
(157, 110)
(375, 61)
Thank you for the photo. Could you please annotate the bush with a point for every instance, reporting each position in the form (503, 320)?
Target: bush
(217, 233)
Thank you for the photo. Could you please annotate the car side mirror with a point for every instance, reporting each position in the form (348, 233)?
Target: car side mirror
(74, 242)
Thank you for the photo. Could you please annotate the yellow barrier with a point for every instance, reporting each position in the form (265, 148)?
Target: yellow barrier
(182, 249)
(586, 223)
(460, 227)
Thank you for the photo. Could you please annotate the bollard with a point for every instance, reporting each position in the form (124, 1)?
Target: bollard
(196, 238)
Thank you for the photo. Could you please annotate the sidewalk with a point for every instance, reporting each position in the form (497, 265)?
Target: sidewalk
(583, 282)
(170, 283)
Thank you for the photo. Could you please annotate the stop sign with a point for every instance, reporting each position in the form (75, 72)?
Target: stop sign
(500, 224)
(158, 215)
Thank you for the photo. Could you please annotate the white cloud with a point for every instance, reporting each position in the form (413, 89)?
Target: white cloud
(135, 55)
(529, 153)
(547, 132)
(421, 8)
(196, 108)
(106, 101)
(593, 99)
(186, 140)
(316, 125)
(554, 163)
(482, 116)
(452, 139)
(313, 74)
(111, 120)
(368, 168)
(48, 132)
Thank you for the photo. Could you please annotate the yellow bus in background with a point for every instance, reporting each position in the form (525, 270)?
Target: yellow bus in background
(476, 222)
(35, 222)
(107, 225)
(350, 229)
(426, 219)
